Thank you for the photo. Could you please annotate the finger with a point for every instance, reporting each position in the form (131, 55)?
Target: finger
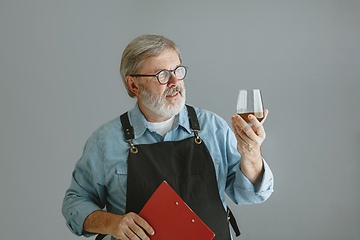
(235, 125)
(245, 127)
(241, 137)
(257, 126)
(128, 228)
(136, 232)
(129, 234)
(144, 225)
(133, 227)
(237, 130)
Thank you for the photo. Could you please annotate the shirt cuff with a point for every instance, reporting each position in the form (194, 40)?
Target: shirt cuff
(248, 190)
(76, 218)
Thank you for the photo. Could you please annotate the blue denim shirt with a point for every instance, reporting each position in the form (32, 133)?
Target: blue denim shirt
(99, 177)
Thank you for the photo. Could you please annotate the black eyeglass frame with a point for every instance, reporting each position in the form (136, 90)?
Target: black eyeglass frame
(157, 75)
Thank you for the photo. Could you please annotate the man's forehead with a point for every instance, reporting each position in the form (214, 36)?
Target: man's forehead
(167, 59)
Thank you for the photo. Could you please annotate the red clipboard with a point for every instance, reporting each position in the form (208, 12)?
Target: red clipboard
(171, 218)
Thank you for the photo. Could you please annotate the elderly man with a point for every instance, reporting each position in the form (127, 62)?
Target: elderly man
(161, 138)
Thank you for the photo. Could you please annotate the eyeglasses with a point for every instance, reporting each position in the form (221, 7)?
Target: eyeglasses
(164, 76)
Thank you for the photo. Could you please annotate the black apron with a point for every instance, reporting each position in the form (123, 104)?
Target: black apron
(188, 168)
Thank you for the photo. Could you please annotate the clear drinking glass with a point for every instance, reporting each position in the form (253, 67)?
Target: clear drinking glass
(250, 102)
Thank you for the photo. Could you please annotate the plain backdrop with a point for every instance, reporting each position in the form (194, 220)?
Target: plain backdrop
(59, 81)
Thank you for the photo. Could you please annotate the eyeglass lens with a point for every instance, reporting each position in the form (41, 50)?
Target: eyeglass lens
(165, 75)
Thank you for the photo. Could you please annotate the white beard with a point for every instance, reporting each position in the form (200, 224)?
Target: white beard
(158, 105)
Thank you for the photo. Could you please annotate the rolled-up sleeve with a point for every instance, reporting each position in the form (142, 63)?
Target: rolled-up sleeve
(86, 193)
(247, 193)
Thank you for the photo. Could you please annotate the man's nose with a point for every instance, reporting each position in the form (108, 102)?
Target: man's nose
(173, 80)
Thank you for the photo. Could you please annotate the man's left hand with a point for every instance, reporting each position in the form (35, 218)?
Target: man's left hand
(249, 141)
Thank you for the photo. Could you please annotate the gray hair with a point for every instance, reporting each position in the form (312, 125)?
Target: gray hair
(134, 55)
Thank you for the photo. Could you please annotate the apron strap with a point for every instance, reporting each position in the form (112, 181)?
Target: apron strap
(194, 123)
(127, 128)
(100, 236)
(233, 222)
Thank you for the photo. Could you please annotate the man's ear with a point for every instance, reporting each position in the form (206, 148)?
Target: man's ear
(133, 84)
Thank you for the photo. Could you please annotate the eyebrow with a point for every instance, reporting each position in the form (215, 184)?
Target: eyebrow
(159, 70)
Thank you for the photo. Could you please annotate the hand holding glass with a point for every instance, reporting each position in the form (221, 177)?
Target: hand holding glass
(250, 102)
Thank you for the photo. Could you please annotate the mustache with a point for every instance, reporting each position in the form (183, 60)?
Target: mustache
(173, 90)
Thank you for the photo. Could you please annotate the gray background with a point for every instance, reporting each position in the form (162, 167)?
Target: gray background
(59, 81)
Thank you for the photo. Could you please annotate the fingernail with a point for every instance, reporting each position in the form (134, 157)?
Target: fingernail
(251, 117)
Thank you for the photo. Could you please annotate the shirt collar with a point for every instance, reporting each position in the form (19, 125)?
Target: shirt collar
(140, 124)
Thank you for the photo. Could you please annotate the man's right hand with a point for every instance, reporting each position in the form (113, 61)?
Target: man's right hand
(128, 226)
